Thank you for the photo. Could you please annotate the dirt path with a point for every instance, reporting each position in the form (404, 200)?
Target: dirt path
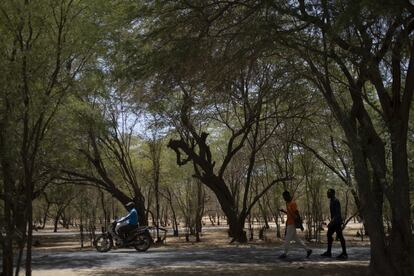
(242, 260)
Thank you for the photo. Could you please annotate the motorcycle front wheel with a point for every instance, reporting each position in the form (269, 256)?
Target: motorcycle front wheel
(103, 243)
(143, 243)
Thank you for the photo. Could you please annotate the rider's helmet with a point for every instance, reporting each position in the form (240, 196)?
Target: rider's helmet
(130, 205)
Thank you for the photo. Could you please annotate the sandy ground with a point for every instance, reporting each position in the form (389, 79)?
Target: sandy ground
(59, 254)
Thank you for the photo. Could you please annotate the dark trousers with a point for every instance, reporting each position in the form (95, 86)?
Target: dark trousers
(123, 230)
(338, 229)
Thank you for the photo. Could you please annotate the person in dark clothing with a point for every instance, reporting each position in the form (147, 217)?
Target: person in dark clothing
(335, 225)
(128, 222)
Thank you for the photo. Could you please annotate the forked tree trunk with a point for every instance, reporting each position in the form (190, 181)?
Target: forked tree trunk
(236, 227)
(390, 255)
(226, 200)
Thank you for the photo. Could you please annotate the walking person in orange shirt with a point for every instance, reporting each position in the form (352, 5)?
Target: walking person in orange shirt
(292, 213)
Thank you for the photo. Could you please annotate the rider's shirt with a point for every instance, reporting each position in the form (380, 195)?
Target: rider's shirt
(131, 218)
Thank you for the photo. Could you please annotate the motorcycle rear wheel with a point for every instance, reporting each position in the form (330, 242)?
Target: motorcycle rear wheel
(103, 243)
(144, 241)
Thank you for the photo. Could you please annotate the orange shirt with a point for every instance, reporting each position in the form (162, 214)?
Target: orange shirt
(291, 209)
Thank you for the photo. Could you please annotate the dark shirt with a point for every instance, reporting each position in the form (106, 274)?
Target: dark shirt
(335, 208)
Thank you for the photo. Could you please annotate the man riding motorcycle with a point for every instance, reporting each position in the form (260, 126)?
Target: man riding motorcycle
(127, 223)
(125, 233)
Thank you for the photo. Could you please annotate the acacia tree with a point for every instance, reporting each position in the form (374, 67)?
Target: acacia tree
(107, 127)
(373, 52)
(40, 61)
(249, 112)
(155, 145)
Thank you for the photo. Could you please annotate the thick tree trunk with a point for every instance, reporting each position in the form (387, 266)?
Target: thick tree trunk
(401, 238)
(228, 205)
(236, 230)
(389, 255)
(8, 242)
(8, 184)
(371, 209)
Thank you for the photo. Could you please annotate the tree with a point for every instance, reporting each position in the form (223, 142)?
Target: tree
(155, 145)
(107, 127)
(368, 48)
(41, 57)
(255, 129)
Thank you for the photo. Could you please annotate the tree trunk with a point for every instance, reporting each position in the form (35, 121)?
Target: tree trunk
(157, 204)
(389, 255)
(278, 235)
(236, 230)
(199, 210)
(401, 238)
(29, 238)
(45, 216)
(251, 234)
(56, 222)
(104, 209)
(8, 184)
(228, 205)
(264, 215)
(8, 241)
(175, 222)
(236, 225)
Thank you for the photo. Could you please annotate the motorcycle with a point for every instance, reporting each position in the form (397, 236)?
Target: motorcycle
(139, 238)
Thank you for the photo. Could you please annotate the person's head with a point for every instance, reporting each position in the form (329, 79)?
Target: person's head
(330, 193)
(286, 196)
(130, 205)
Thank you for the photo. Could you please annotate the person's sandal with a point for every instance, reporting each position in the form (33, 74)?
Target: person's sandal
(342, 256)
(327, 254)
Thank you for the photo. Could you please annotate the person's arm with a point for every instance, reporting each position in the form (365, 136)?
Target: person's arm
(125, 218)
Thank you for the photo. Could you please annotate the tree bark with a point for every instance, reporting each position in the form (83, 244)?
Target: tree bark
(226, 201)
(7, 240)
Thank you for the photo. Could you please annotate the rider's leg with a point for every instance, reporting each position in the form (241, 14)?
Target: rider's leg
(120, 229)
